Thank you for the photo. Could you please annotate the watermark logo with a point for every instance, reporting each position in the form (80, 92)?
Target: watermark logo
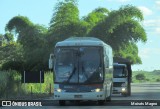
(21, 103)
(6, 103)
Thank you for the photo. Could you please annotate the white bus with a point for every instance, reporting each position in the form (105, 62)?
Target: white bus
(83, 70)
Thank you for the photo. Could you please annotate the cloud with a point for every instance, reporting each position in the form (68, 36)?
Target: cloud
(123, 1)
(158, 30)
(120, 1)
(152, 25)
(149, 23)
(146, 11)
(158, 2)
(144, 53)
(148, 52)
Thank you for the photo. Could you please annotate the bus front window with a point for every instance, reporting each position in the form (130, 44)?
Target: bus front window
(65, 64)
(120, 72)
(78, 65)
(90, 65)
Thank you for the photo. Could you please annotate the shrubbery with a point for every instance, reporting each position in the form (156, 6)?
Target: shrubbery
(140, 76)
(11, 86)
(9, 83)
(13, 65)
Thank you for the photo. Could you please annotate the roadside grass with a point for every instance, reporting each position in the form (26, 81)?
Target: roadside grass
(150, 77)
(12, 88)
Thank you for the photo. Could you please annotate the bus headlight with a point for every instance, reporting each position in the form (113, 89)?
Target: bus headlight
(97, 90)
(123, 89)
(59, 90)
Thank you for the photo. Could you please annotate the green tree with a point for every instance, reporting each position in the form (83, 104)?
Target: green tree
(140, 76)
(1, 39)
(120, 28)
(64, 22)
(8, 37)
(11, 53)
(33, 39)
(129, 51)
(95, 17)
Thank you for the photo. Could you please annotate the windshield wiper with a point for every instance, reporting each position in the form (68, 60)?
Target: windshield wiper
(94, 76)
(73, 71)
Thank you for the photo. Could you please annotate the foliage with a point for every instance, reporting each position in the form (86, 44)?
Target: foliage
(32, 37)
(9, 83)
(11, 52)
(150, 76)
(12, 80)
(140, 76)
(1, 39)
(129, 51)
(95, 17)
(64, 22)
(119, 28)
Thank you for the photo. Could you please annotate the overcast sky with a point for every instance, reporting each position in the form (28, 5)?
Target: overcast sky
(40, 12)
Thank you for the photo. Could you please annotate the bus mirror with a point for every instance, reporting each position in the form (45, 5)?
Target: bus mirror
(81, 51)
(51, 61)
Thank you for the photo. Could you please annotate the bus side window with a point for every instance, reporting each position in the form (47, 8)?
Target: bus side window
(106, 59)
(110, 58)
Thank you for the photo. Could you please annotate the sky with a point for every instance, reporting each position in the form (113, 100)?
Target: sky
(40, 12)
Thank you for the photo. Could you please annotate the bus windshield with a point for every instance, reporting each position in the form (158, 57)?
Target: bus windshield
(78, 65)
(119, 72)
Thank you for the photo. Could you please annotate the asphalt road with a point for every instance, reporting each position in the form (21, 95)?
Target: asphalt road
(148, 93)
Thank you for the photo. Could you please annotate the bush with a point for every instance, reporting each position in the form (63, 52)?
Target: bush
(9, 83)
(13, 65)
(158, 80)
(11, 86)
(140, 76)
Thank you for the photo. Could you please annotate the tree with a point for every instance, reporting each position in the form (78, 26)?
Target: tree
(33, 39)
(121, 27)
(129, 51)
(8, 37)
(64, 22)
(95, 17)
(1, 39)
(11, 53)
(140, 76)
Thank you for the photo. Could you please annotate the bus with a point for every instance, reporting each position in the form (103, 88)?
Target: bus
(120, 79)
(83, 70)
(122, 76)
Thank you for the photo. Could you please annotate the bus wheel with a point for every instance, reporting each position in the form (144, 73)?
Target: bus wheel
(101, 102)
(108, 99)
(125, 94)
(62, 102)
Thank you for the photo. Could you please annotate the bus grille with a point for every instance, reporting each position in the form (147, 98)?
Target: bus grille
(117, 84)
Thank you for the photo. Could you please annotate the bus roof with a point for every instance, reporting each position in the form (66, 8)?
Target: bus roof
(119, 65)
(82, 41)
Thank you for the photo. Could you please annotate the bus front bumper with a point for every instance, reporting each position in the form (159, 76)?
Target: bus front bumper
(117, 90)
(79, 96)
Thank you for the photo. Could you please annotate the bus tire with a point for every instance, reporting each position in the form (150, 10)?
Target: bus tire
(125, 94)
(62, 102)
(101, 102)
(108, 99)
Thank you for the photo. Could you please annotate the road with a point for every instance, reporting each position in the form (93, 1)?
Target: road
(143, 91)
